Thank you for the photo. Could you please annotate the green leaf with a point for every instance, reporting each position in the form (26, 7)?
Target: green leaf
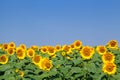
(52, 72)
(74, 70)
(91, 67)
(2, 51)
(10, 78)
(31, 67)
(100, 76)
(5, 67)
(117, 76)
(64, 69)
(77, 61)
(58, 62)
(45, 74)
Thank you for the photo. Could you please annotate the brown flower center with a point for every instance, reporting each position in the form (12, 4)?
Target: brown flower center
(102, 49)
(37, 59)
(2, 58)
(108, 57)
(86, 52)
(109, 67)
(77, 43)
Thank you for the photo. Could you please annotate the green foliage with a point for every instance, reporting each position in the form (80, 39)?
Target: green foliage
(72, 68)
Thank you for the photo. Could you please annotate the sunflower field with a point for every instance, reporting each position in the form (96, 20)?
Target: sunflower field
(67, 62)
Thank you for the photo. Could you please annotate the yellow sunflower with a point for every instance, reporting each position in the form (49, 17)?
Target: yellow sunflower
(21, 73)
(113, 44)
(16, 70)
(101, 50)
(57, 47)
(10, 51)
(23, 46)
(20, 53)
(43, 49)
(109, 68)
(63, 53)
(72, 46)
(108, 57)
(45, 64)
(87, 52)
(67, 49)
(12, 45)
(51, 50)
(34, 47)
(5, 47)
(36, 59)
(1, 46)
(77, 44)
(3, 59)
(30, 53)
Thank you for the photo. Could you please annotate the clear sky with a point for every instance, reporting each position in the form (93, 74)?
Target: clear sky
(51, 22)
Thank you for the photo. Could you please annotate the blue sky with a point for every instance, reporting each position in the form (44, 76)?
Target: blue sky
(51, 22)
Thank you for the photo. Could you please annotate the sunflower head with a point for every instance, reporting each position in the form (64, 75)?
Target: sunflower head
(10, 51)
(30, 53)
(1, 46)
(36, 59)
(16, 70)
(35, 47)
(45, 64)
(108, 57)
(21, 73)
(101, 50)
(77, 44)
(67, 49)
(5, 47)
(57, 47)
(87, 52)
(63, 53)
(20, 53)
(43, 49)
(113, 44)
(72, 46)
(109, 68)
(51, 50)
(3, 59)
(23, 46)
(12, 45)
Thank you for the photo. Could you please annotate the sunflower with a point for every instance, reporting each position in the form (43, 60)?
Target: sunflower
(87, 52)
(16, 70)
(3, 59)
(113, 44)
(72, 46)
(57, 47)
(68, 57)
(23, 46)
(10, 51)
(30, 53)
(34, 47)
(67, 49)
(108, 57)
(36, 59)
(77, 44)
(5, 47)
(63, 53)
(20, 53)
(45, 64)
(101, 50)
(1, 46)
(109, 68)
(43, 49)
(21, 73)
(12, 45)
(51, 50)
